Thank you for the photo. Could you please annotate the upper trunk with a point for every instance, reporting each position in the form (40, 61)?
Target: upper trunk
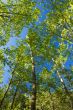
(2, 101)
(66, 89)
(14, 98)
(33, 102)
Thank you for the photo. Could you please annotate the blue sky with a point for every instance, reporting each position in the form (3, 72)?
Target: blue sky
(12, 42)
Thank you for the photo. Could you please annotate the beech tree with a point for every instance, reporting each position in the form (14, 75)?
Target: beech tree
(46, 42)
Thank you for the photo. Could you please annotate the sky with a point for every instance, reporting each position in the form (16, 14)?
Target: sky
(4, 1)
(12, 42)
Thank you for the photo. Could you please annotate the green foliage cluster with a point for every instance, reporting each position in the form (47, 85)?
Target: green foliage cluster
(30, 88)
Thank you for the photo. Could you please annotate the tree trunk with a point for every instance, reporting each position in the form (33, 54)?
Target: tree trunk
(14, 99)
(1, 102)
(66, 90)
(34, 90)
(33, 102)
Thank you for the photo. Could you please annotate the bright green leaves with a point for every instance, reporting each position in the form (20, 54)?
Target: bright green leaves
(59, 20)
(33, 41)
(36, 13)
(20, 58)
(15, 15)
(1, 72)
(45, 75)
(2, 60)
(1, 54)
(72, 68)
(1, 65)
(23, 59)
(62, 47)
(36, 48)
(61, 59)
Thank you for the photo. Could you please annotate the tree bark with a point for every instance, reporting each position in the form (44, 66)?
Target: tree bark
(33, 102)
(1, 102)
(66, 90)
(34, 90)
(14, 99)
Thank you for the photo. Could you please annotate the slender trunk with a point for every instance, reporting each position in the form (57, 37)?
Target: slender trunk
(33, 102)
(14, 99)
(66, 90)
(1, 102)
(34, 90)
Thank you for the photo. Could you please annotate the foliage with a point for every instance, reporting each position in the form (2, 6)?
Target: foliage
(49, 87)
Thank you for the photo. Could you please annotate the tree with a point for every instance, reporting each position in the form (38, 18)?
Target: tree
(14, 15)
(39, 44)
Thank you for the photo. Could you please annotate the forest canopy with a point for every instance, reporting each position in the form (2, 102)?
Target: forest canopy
(39, 66)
